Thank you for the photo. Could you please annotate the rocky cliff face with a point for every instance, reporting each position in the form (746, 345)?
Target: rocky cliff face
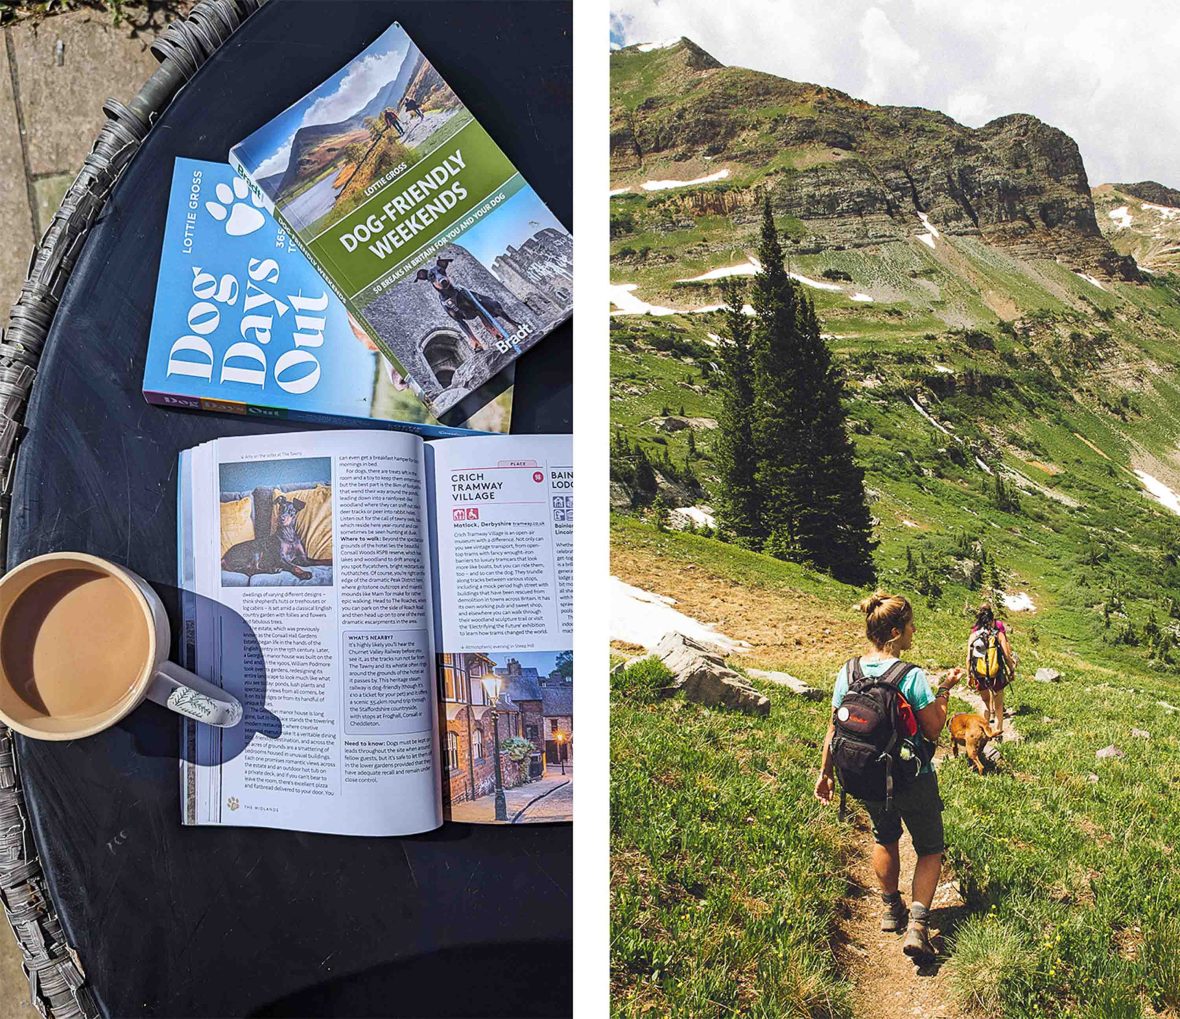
(1152, 192)
(854, 173)
(1142, 220)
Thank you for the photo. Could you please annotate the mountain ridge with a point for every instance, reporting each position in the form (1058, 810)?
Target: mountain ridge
(853, 172)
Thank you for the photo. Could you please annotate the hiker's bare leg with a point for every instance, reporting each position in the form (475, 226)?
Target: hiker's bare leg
(926, 872)
(887, 867)
(998, 701)
(985, 695)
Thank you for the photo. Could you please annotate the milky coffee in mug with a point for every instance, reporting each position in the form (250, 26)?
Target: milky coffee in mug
(83, 642)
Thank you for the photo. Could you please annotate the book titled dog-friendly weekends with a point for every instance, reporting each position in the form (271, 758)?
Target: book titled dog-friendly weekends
(396, 618)
(434, 242)
(244, 324)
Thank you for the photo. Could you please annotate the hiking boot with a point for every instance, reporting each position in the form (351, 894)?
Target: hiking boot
(917, 943)
(894, 916)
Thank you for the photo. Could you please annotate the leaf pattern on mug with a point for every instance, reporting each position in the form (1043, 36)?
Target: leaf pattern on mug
(189, 702)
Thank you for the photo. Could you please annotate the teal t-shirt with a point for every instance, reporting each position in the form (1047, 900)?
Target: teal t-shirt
(914, 687)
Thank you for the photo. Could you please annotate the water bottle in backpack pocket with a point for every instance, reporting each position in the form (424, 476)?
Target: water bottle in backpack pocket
(876, 747)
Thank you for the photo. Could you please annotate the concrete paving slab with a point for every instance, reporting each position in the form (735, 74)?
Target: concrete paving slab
(49, 191)
(16, 223)
(66, 67)
(14, 985)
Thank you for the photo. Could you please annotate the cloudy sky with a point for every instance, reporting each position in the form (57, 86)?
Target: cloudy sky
(1105, 73)
(344, 94)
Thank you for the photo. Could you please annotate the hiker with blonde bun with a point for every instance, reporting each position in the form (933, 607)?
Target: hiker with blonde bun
(880, 742)
(991, 666)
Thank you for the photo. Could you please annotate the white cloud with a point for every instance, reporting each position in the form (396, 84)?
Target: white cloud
(1102, 74)
(366, 78)
(889, 61)
(969, 107)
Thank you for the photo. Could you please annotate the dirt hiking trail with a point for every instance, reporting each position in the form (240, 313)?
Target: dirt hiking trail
(885, 983)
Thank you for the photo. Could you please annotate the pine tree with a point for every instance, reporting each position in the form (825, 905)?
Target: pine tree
(779, 427)
(738, 504)
(836, 529)
(812, 490)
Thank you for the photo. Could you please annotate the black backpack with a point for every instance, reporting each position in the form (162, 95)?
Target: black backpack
(875, 746)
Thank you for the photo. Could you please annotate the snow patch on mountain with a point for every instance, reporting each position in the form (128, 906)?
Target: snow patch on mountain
(665, 185)
(651, 47)
(748, 268)
(1121, 216)
(641, 617)
(1159, 491)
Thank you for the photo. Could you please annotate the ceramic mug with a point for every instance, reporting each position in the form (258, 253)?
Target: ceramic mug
(83, 642)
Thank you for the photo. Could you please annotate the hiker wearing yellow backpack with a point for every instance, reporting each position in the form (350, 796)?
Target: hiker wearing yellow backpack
(991, 666)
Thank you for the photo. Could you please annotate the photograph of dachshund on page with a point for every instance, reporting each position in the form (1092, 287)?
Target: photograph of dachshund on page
(276, 523)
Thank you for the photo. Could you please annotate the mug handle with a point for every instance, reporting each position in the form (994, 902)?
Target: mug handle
(188, 694)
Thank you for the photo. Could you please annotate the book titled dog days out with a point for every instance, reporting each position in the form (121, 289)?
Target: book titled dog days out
(430, 236)
(243, 324)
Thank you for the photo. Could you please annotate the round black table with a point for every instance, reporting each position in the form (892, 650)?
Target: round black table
(469, 920)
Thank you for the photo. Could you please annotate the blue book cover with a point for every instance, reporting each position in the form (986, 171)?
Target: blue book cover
(243, 323)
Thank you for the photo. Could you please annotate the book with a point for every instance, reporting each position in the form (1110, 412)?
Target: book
(244, 324)
(395, 617)
(432, 239)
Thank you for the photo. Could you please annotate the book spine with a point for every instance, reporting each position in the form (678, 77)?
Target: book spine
(240, 169)
(427, 431)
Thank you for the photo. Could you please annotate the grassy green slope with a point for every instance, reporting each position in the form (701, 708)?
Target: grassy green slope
(728, 876)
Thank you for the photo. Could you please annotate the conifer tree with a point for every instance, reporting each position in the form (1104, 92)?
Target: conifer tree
(836, 529)
(812, 496)
(738, 509)
(779, 436)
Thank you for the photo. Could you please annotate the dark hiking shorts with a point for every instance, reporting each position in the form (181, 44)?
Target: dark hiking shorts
(920, 807)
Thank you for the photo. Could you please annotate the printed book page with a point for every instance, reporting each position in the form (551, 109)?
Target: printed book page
(502, 509)
(311, 602)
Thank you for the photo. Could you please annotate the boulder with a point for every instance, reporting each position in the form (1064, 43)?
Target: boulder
(620, 496)
(1047, 676)
(718, 687)
(1110, 753)
(796, 686)
(702, 676)
(948, 896)
(677, 423)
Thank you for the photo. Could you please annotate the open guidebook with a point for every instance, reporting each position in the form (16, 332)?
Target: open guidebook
(395, 617)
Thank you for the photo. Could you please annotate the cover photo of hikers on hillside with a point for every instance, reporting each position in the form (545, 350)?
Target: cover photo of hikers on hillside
(895, 622)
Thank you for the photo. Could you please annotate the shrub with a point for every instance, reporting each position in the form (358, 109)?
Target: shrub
(1161, 963)
(516, 748)
(642, 681)
(991, 965)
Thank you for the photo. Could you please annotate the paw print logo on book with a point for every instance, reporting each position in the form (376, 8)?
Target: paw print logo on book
(241, 217)
(232, 803)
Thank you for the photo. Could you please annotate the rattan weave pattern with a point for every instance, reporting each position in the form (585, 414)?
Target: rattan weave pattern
(57, 982)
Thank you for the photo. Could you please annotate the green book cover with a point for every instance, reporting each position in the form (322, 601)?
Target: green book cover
(417, 219)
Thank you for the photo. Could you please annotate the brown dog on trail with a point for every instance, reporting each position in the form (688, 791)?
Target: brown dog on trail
(972, 733)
